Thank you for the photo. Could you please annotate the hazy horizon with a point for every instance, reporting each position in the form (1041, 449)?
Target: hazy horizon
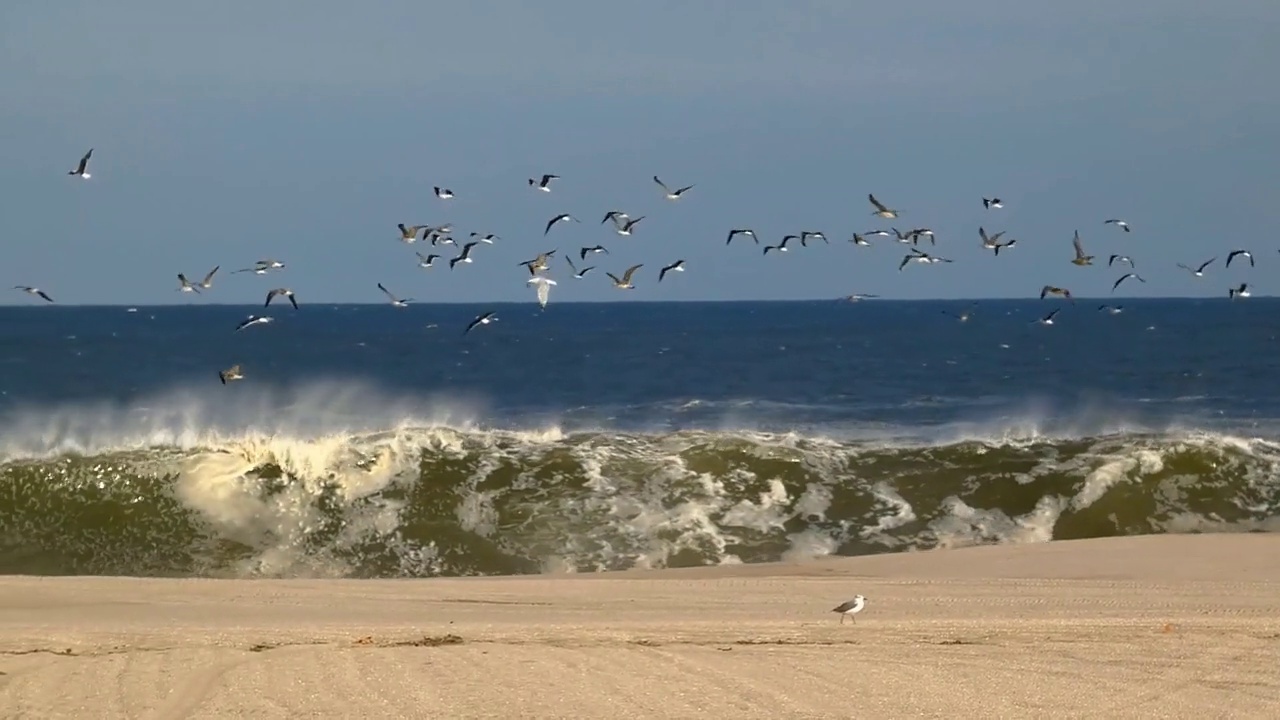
(228, 134)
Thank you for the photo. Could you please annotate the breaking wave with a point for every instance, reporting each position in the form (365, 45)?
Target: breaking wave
(338, 480)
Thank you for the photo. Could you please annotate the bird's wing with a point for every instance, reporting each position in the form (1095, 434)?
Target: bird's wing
(660, 183)
(626, 276)
(1075, 242)
(876, 202)
(209, 277)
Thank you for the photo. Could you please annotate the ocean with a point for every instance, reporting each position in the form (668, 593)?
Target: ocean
(373, 441)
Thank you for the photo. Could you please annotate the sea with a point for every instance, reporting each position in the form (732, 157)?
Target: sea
(375, 441)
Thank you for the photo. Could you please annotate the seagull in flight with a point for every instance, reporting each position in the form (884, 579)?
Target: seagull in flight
(990, 242)
(1081, 259)
(465, 257)
(741, 231)
(782, 246)
(920, 257)
(1242, 291)
(1051, 290)
(881, 209)
(1118, 223)
(677, 266)
(544, 184)
(805, 235)
(904, 238)
(82, 170)
(963, 316)
(409, 233)
(1199, 271)
(542, 284)
(185, 285)
(1126, 276)
(1232, 255)
(231, 374)
(860, 240)
(443, 193)
(1120, 258)
(625, 282)
(1048, 319)
(579, 274)
(672, 194)
(624, 228)
(482, 319)
(1111, 309)
(395, 301)
(282, 291)
(855, 297)
(562, 217)
(615, 216)
(426, 261)
(262, 267)
(254, 320)
(487, 238)
(33, 291)
(992, 203)
(539, 262)
(582, 253)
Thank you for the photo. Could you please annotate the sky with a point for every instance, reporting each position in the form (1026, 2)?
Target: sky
(229, 132)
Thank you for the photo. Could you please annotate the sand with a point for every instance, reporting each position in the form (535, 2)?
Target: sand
(1161, 627)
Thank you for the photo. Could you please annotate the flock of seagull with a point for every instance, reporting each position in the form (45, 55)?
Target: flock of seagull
(539, 267)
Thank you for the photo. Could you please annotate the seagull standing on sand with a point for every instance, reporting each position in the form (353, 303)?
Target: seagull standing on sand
(672, 194)
(562, 217)
(677, 266)
(395, 301)
(82, 170)
(282, 291)
(625, 282)
(851, 608)
(881, 209)
(544, 184)
(33, 291)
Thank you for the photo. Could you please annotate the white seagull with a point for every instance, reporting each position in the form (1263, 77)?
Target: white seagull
(992, 203)
(442, 193)
(33, 291)
(1242, 291)
(544, 184)
(672, 194)
(624, 227)
(562, 217)
(1232, 255)
(483, 319)
(185, 285)
(881, 209)
(741, 231)
(395, 301)
(677, 266)
(1048, 319)
(82, 170)
(851, 608)
(1126, 276)
(254, 320)
(426, 261)
(542, 284)
(282, 291)
(1118, 223)
(487, 238)
(207, 282)
(231, 374)
(1120, 258)
(465, 257)
(579, 274)
(1199, 271)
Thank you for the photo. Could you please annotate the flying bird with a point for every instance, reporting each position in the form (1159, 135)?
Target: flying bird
(562, 217)
(672, 194)
(539, 262)
(282, 291)
(1119, 223)
(850, 609)
(443, 193)
(624, 227)
(992, 204)
(1051, 290)
(1081, 259)
(918, 233)
(544, 184)
(483, 319)
(1048, 319)
(860, 240)
(231, 374)
(409, 233)
(582, 253)
(1111, 309)
(782, 246)
(1122, 259)
(902, 237)
(1004, 246)
(542, 284)
(855, 297)
(254, 320)
(625, 282)
(426, 261)
(465, 257)
(805, 235)
(395, 301)
(920, 257)
(487, 238)
(963, 316)
(615, 216)
(741, 231)
(677, 266)
(33, 291)
(579, 274)
(1199, 271)
(83, 168)
(881, 209)
(1232, 255)
(990, 242)
(1242, 291)
(185, 285)
(1126, 276)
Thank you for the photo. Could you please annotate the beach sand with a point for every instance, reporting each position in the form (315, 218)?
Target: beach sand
(1159, 626)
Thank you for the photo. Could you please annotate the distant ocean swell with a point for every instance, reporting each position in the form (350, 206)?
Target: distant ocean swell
(422, 500)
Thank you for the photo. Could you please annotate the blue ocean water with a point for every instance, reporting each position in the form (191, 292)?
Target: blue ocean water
(382, 441)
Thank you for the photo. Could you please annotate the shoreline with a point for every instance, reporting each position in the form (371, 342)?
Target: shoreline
(1140, 626)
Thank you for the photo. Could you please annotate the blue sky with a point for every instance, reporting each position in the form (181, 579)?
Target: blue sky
(229, 132)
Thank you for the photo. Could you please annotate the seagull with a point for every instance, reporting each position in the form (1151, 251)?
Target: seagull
(625, 282)
(395, 301)
(483, 319)
(677, 266)
(1242, 291)
(806, 234)
(582, 254)
(562, 217)
(992, 204)
(185, 285)
(543, 285)
(487, 238)
(410, 233)
(270, 264)
(254, 320)
(672, 194)
(1120, 258)
(281, 291)
(539, 262)
(438, 239)
(1198, 272)
(426, 261)
(1051, 290)
(579, 274)
(1081, 259)
(614, 215)
(741, 231)
(1111, 309)
(624, 228)
(859, 240)
(990, 242)
(964, 316)
(855, 297)
(465, 257)
(1048, 319)
(443, 193)
(782, 246)
(920, 257)
(207, 282)
(1231, 256)
(904, 238)
(33, 291)
(545, 183)
(876, 233)
(918, 233)
(1119, 223)
(83, 168)
(881, 210)
(231, 374)
(1004, 245)
(1126, 276)
(262, 267)
(850, 609)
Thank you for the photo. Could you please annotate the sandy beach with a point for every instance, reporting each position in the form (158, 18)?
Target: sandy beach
(1161, 626)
